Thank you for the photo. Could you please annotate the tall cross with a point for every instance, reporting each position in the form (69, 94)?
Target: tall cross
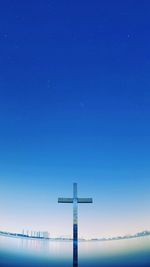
(75, 200)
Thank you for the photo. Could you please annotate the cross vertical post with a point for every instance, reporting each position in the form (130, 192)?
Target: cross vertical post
(75, 226)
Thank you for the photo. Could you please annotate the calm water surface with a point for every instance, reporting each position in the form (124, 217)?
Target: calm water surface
(27, 252)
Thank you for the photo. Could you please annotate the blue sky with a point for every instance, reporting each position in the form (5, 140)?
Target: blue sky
(75, 106)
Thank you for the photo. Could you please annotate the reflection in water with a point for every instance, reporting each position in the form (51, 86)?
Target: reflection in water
(75, 254)
(22, 252)
(41, 246)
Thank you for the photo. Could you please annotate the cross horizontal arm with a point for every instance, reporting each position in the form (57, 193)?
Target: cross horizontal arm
(85, 200)
(65, 200)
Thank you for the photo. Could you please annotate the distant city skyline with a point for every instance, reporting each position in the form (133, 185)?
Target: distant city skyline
(45, 235)
(75, 107)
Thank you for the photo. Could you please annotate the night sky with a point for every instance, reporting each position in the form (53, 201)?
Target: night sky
(75, 107)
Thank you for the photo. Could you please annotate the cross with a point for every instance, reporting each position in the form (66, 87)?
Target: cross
(75, 200)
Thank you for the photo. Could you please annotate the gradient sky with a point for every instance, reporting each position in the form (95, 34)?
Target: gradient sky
(75, 107)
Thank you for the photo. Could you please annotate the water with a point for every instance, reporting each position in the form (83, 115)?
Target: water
(19, 252)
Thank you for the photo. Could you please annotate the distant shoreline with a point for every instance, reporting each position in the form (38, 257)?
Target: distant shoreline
(16, 235)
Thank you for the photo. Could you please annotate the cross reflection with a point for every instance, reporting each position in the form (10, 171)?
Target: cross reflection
(75, 253)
